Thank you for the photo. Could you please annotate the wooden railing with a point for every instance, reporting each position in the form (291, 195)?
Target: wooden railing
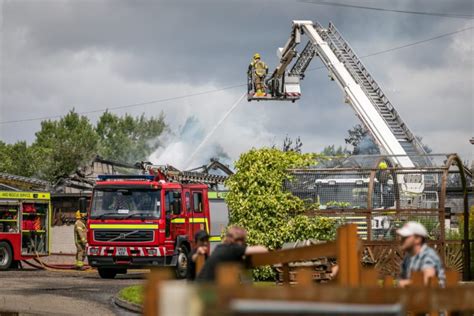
(353, 285)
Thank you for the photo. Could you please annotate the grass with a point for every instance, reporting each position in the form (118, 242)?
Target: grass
(132, 294)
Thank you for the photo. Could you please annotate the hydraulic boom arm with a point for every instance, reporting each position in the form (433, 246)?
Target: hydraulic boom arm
(360, 89)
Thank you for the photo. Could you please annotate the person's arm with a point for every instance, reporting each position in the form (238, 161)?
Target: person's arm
(250, 250)
(404, 281)
(428, 269)
(199, 251)
(428, 273)
(334, 271)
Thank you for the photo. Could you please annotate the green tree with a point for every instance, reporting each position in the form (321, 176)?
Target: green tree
(259, 203)
(18, 159)
(333, 151)
(289, 145)
(128, 139)
(5, 159)
(356, 134)
(64, 145)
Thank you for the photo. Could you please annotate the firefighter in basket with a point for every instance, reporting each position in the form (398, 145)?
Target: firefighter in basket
(80, 240)
(258, 71)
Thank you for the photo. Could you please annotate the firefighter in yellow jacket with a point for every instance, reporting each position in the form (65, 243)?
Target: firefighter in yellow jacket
(258, 70)
(80, 240)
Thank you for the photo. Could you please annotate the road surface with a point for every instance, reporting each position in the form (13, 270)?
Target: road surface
(35, 292)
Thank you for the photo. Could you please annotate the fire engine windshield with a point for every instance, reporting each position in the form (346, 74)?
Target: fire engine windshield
(120, 203)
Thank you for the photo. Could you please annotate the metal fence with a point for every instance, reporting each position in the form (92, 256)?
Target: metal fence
(379, 198)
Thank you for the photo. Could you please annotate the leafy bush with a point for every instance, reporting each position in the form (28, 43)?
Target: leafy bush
(271, 215)
(337, 204)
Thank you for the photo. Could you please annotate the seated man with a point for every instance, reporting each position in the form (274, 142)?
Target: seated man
(233, 249)
(419, 256)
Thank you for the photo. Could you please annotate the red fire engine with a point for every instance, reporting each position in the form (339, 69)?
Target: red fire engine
(24, 226)
(147, 220)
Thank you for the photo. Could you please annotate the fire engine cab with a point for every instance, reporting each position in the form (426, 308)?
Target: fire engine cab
(140, 221)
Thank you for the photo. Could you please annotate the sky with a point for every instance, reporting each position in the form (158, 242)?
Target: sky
(92, 55)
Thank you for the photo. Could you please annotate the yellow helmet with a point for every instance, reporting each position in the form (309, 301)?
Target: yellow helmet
(256, 56)
(79, 215)
(383, 165)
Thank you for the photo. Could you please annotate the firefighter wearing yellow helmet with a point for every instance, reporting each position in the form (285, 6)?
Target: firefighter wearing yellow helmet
(382, 189)
(80, 240)
(258, 70)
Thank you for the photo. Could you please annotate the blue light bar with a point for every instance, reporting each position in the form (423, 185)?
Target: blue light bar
(125, 176)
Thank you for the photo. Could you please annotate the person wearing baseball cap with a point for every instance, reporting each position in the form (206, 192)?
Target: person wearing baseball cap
(419, 256)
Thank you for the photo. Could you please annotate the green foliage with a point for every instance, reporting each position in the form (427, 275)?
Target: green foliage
(356, 134)
(132, 294)
(64, 145)
(458, 234)
(304, 227)
(454, 234)
(290, 145)
(310, 206)
(333, 151)
(128, 139)
(337, 204)
(258, 202)
(431, 224)
(471, 222)
(19, 159)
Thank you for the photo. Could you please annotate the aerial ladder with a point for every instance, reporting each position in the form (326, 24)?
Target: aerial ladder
(361, 91)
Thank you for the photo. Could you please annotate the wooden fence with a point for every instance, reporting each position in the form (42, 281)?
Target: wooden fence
(355, 287)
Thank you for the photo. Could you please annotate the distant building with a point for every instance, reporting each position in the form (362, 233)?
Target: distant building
(67, 190)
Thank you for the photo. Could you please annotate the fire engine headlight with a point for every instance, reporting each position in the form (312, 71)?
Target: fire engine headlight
(94, 251)
(152, 252)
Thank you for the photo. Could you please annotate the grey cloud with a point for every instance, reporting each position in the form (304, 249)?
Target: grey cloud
(95, 54)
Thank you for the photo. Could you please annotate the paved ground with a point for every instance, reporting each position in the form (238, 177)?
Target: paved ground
(34, 292)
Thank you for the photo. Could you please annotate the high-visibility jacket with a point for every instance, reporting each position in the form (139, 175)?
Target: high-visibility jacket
(383, 176)
(259, 68)
(80, 232)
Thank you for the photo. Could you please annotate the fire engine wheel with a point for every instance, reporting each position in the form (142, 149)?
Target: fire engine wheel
(182, 262)
(6, 255)
(107, 273)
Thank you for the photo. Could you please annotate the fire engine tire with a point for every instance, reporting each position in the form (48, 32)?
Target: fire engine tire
(6, 255)
(107, 273)
(182, 262)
